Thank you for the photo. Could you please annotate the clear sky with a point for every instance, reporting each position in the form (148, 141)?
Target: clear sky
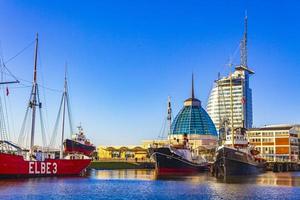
(125, 57)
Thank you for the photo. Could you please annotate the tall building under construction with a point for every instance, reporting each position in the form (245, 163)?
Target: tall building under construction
(232, 94)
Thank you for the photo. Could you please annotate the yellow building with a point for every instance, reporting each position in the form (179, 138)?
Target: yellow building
(154, 143)
(277, 143)
(129, 152)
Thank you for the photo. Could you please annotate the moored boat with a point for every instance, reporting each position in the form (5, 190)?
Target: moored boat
(239, 159)
(16, 161)
(235, 156)
(12, 165)
(179, 155)
(170, 160)
(79, 144)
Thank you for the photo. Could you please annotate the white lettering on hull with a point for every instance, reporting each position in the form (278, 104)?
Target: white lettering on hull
(42, 168)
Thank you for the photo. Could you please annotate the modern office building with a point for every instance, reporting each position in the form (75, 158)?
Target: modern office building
(230, 99)
(276, 143)
(219, 102)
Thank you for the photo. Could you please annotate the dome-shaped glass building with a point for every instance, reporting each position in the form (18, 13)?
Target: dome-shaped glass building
(194, 122)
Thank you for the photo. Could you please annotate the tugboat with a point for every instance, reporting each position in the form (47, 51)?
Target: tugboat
(237, 158)
(16, 161)
(176, 159)
(179, 155)
(234, 156)
(79, 143)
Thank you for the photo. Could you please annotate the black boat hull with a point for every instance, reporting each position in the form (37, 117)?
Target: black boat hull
(72, 146)
(170, 163)
(231, 162)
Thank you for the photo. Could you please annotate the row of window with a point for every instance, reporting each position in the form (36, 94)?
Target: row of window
(267, 134)
(261, 140)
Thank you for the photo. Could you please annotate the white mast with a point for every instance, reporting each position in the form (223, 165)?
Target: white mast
(64, 114)
(33, 99)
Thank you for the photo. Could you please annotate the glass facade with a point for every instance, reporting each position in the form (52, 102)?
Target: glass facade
(219, 102)
(193, 120)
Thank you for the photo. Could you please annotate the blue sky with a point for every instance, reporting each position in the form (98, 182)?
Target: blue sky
(125, 57)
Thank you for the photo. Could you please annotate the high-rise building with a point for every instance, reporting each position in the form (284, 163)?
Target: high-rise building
(230, 99)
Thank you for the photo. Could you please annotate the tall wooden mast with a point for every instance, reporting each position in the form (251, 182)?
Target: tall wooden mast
(33, 99)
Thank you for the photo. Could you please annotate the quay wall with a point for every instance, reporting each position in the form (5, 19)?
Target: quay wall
(121, 164)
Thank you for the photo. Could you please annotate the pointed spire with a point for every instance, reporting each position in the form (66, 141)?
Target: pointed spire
(193, 93)
(192, 101)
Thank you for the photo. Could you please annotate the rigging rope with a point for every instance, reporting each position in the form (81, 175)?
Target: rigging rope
(22, 136)
(46, 127)
(11, 119)
(13, 57)
(54, 134)
(69, 115)
(44, 140)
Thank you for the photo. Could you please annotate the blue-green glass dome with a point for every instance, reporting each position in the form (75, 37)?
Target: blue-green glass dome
(193, 119)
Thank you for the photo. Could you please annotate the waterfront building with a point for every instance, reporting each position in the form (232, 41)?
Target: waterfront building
(233, 88)
(154, 143)
(194, 123)
(129, 152)
(276, 143)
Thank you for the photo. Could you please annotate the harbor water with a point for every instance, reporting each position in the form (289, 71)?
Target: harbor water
(144, 184)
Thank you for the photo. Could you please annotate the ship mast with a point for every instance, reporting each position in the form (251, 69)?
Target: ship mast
(64, 114)
(221, 135)
(231, 105)
(169, 118)
(33, 100)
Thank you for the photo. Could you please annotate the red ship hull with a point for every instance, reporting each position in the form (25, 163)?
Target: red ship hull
(16, 166)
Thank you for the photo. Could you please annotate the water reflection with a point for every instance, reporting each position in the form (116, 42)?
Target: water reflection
(144, 184)
(268, 178)
(280, 179)
(123, 174)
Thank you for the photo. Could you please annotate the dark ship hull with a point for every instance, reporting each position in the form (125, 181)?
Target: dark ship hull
(168, 162)
(232, 162)
(72, 146)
